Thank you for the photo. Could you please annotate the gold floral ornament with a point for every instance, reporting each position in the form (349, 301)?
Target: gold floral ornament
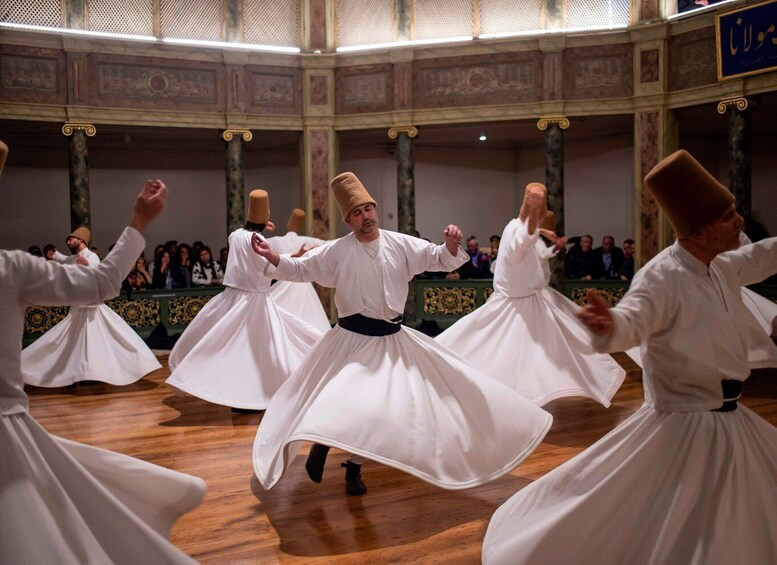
(40, 319)
(460, 300)
(137, 313)
(184, 309)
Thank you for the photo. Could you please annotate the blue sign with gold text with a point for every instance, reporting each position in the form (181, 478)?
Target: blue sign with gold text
(747, 41)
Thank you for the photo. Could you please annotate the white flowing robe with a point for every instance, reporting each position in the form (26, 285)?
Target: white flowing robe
(761, 351)
(240, 348)
(91, 343)
(527, 335)
(300, 299)
(402, 399)
(61, 501)
(676, 482)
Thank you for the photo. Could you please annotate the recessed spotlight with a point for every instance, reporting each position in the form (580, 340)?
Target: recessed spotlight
(482, 137)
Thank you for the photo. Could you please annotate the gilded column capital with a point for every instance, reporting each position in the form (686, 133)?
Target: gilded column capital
(228, 134)
(411, 131)
(544, 122)
(88, 129)
(724, 105)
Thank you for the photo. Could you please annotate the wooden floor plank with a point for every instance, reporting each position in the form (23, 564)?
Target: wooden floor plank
(400, 520)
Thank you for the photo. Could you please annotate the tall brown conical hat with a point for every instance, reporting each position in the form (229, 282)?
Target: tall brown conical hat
(534, 187)
(689, 196)
(549, 221)
(349, 193)
(81, 233)
(296, 221)
(258, 207)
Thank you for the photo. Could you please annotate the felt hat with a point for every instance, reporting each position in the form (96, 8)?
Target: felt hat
(296, 221)
(534, 188)
(81, 233)
(690, 196)
(258, 206)
(549, 221)
(349, 193)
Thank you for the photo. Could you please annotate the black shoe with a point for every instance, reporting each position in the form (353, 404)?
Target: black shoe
(354, 485)
(315, 463)
(244, 411)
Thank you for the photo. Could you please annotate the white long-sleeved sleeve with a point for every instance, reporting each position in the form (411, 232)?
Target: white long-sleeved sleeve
(52, 284)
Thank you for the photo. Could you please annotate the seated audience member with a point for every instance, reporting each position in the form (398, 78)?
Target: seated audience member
(182, 266)
(477, 266)
(48, 251)
(223, 256)
(206, 271)
(608, 258)
(157, 250)
(35, 250)
(162, 277)
(581, 260)
(688, 5)
(171, 246)
(138, 278)
(494, 252)
(626, 272)
(196, 246)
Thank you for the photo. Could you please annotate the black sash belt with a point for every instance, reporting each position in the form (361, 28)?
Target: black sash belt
(732, 390)
(370, 326)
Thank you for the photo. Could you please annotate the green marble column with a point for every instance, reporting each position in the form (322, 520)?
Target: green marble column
(405, 137)
(405, 180)
(78, 165)
(740, 135)
(235, 177)
(554, 181)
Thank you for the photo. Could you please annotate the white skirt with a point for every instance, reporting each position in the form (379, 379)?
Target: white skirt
(92, 343)
(239, 350)
(663, 487)
(66, 502)
(301, 300)
(402, 400)
(536, 346)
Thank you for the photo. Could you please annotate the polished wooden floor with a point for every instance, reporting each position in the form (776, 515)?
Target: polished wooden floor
(400, 520)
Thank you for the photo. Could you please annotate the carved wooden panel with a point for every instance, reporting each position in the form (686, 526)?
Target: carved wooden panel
(33, 75)
(692, 59)
(274, 90)
(503, 78)
(364, 88)
(140, 82)
(604, 71)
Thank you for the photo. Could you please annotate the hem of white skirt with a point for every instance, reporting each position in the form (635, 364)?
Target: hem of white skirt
(415, 472)
(604, 399)
(178, 386)
(130, 379)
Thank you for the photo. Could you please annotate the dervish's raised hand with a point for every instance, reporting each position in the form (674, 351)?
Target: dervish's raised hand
(302, 250)
(560, 243)
(149, 204)
(596, 315)
(261, 247)
(452, 238)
